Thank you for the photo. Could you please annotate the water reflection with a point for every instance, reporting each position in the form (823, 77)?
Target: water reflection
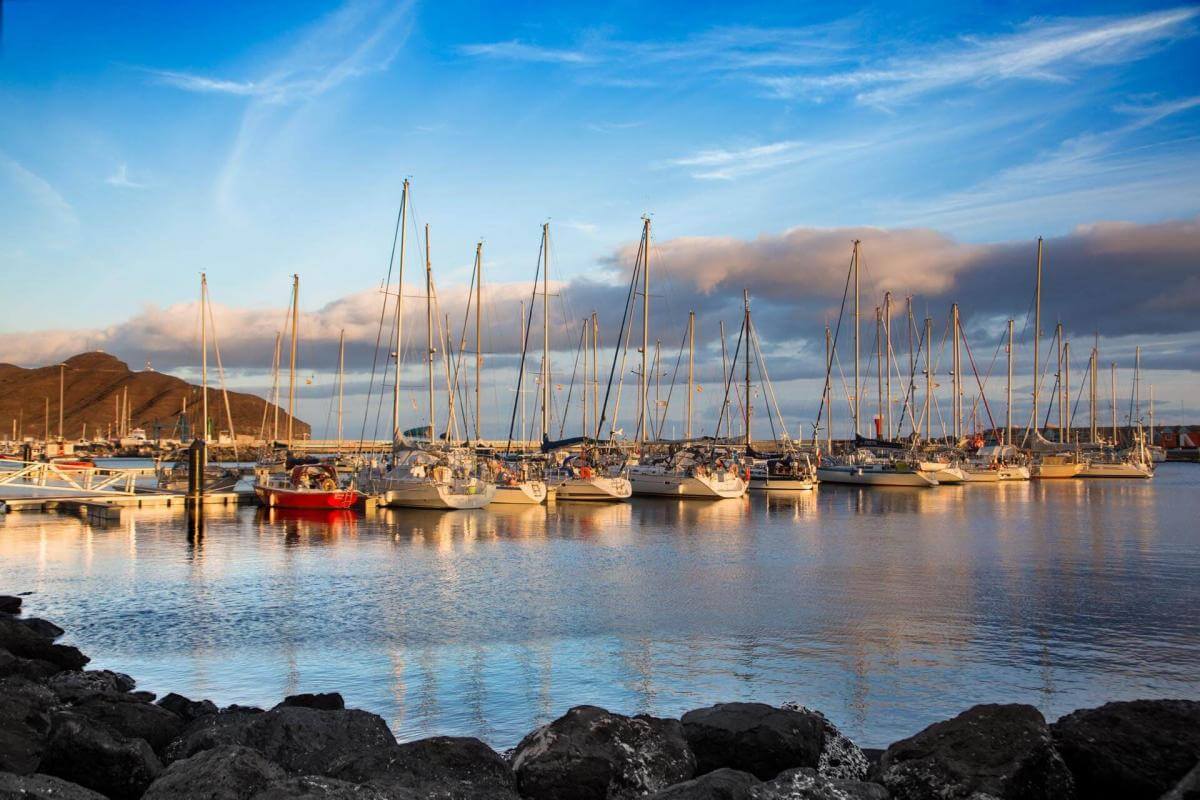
(887, 608)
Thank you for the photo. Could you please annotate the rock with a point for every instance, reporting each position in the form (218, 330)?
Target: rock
(10, 604)
(32, 668)
(1188, 788)
(144, 696)
(315, 787)
(23, 642)
(1003, 751)
(187, 710)
(37, 787)
(25, 709)
(43, 628)
(1133, 749)
(331, 701)
(132, 717)
(592, 753)
(754, 737)
(873, 756)
(840, 758)
(73, 685)
(92, 754)
(806, 784)
(231, 772)
(301, 740)
(443, 766)
(721, 784)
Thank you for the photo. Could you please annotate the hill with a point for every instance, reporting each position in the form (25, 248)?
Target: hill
(94, 388)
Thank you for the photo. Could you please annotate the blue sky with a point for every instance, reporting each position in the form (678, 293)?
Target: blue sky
(141, 143)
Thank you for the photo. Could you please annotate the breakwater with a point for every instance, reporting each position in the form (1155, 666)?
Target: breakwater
(78, 734)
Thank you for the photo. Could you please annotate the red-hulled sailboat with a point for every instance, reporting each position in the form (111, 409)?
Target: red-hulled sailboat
(306, 486)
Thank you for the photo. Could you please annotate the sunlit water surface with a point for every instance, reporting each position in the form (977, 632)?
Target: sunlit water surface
(888, 609)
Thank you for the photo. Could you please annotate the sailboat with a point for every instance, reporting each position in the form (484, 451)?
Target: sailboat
(423, 476)
(1136, 462)
(216, 478)
(308, 486)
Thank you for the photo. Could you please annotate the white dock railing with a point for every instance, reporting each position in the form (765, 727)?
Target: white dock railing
(43, 475)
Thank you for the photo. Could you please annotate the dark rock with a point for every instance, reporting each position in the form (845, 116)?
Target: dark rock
(301, 740)
(840, 758)
(444, 766)
(188, 710)
(23, 642)
(132, 717)
(230, 772)
(43, 628)
(74, 685)
(316, 787)
(805, 784)
(144, 696)
(721, 784)
(32, 668)
(592, 753)
(1004, 751)
(92, 754)
(754, 737)
(25, 709)
(1188, 788)
(10, 604)
(874, 756)
(331, 701)
(1131, 750)
(37, 787)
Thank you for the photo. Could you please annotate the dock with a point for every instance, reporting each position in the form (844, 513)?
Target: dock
(111, 508)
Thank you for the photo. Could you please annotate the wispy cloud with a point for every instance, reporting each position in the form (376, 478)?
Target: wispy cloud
(1042, 50)
(199, 83)
(120, 178)
(37, 188)
(612, 127)
(515, 50)
(724, 164)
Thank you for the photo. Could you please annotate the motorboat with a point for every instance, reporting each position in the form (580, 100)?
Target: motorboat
(308, 486)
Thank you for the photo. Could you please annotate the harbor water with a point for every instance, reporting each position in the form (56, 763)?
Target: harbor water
(888, 609)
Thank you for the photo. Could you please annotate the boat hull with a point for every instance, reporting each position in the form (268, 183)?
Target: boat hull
(708, 487)
(763, 483)
(596, 489)
(524, 493)
(427, 494)
(277, 497)
(1115, 471)
(865, 476)
(1056, 471)
(984, 475)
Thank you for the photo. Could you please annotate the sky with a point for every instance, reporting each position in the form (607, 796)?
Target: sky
(144, 143)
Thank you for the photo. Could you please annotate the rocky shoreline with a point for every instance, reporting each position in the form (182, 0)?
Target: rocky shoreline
(76, 734)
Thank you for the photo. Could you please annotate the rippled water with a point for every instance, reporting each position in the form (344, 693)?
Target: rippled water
(887, 609)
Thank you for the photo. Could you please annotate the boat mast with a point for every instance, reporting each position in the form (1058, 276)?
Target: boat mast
(1114, 403)
(399, 317)
(429, 336)
(887, 355)
(1008, 391)
(62, 371)
(854, 260)
(957, 382)
(828, 398)
(596, 372)
(1066, 401)
(545, 329)
(341, 383)
(1093, 395)
(928, 429)
(645, 323)
(1058, 343)
(478, 329)
(687, 431)
(1151, 413)
(292, 363)
(585, 346)
(520, 390)
(1137, 388)
(746, 325)
(204, 354)
(274, 387)
(878, 370)
(1037, 332)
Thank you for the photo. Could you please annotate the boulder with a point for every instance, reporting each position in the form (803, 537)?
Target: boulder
(1004, 751)
(187, 710)
(32, 668)
(75, 685)
(25, 709)
(230, 772)
(329, 701)
(1133, 749)
(42, 787)
(592, 753)
(92, 754)
(316, 787)
(10, 604)
(1188, 788)
(721, 784)
(24, 643)
(443, 766)
(42, 627)
(806, 784)
(132, 717)
(301, 740)
(755, 738)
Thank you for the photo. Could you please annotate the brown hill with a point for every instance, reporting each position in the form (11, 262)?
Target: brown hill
(94, 386)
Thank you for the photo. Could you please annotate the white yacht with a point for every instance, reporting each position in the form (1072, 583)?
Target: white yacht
(863, 469)
(789, 472)
(417, 478)
(691, 473)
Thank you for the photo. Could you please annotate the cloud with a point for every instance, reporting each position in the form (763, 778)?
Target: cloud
(199, 83)
(514, 50)
(1042, 50)
(121, 179)
(39, 190)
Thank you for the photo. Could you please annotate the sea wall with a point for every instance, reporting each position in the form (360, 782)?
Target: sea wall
(76, 734)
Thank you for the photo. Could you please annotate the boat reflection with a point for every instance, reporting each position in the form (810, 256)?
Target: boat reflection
(310, 522)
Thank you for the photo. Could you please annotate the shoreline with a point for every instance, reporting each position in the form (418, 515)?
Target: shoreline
(69, 732)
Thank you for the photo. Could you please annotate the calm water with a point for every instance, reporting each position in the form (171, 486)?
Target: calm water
(886, 609)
